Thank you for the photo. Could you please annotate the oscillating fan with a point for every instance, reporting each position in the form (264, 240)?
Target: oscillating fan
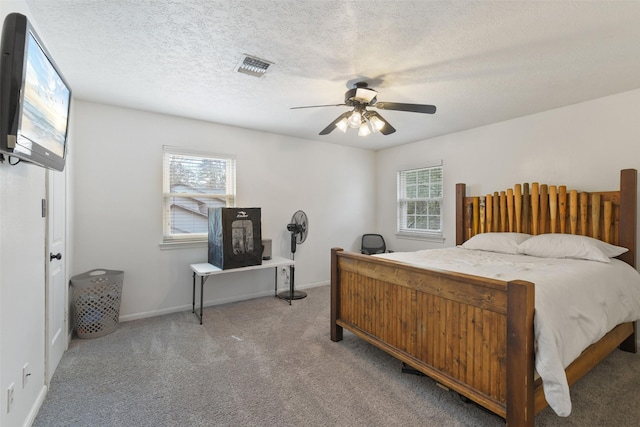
(299, 228)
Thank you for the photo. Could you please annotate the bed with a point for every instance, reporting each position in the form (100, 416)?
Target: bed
(474, 334)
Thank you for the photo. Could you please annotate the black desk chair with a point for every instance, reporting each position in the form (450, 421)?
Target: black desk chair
(373, 244)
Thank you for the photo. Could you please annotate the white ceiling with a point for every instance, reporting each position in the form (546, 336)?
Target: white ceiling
(479, 62)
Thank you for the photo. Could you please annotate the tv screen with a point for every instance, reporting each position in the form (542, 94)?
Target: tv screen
(34, 98)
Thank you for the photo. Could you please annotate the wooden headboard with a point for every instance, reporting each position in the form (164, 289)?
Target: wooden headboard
(535, 208)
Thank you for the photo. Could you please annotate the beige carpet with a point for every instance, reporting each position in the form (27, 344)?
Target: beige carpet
(265, 363)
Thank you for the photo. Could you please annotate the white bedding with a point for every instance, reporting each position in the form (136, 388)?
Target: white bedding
(576, 302)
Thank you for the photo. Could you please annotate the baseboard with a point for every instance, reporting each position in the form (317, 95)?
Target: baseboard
(153, 313)
(307, 286)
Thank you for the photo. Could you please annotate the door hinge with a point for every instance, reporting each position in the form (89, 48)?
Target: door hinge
(44, 208)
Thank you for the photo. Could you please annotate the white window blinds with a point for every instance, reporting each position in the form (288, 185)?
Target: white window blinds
(420, 201)
(192, 183)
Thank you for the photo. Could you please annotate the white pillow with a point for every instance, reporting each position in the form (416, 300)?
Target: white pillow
(506, 243)
(569, 246)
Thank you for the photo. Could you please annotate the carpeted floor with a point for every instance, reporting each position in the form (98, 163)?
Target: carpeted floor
(265, 363)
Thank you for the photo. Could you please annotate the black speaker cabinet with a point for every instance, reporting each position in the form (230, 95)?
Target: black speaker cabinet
(235, 237)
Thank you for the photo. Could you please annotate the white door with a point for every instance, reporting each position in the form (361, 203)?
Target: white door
(56, 286)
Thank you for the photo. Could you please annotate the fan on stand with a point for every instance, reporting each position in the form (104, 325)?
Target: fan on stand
(299, 228)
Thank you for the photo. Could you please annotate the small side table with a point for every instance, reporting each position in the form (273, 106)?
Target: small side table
(204, 270)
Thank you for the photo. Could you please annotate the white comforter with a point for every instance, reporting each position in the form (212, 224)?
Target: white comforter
(576, 302)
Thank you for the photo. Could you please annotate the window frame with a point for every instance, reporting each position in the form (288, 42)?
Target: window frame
(170, 239)
(402, 231)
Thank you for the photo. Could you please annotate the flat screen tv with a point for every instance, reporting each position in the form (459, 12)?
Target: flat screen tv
(34, 98)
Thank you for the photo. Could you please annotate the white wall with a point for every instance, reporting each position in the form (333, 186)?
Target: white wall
(22, 303)
(583, 146)
(22, 275)
(118, 203)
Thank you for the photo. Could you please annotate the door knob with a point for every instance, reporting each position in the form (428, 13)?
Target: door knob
(57, 256)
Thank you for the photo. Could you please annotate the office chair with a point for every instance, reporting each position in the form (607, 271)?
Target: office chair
(373, 244)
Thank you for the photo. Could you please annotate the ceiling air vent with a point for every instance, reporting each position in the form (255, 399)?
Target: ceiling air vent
(252, 66)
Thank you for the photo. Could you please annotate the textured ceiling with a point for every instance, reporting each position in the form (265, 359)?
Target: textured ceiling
(478, 62)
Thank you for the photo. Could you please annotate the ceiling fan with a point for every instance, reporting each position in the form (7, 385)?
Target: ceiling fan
(361, 97)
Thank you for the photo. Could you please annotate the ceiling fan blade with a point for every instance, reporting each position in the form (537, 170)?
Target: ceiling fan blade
(413, 108)
(315, 106)
(387, 129)
(333, 124)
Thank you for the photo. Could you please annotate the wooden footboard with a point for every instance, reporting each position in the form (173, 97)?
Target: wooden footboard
(471, 334)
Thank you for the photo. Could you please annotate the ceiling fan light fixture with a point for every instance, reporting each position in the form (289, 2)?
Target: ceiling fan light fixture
(355, 119)
(343, 125)
(364, 130)
(375, 123)
(365, 95)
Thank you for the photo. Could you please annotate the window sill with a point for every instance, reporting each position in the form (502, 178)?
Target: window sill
(183, 244)
(436, 238)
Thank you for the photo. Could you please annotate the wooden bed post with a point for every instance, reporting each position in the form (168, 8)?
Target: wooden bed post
(461, 191)
(520, 354)
(628, 214)
(336, 331)
(627, 230)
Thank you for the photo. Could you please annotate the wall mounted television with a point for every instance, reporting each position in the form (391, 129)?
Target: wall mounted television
(34, 98)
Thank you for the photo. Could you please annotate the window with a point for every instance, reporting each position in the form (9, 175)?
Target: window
(420, 202)
(193, 183)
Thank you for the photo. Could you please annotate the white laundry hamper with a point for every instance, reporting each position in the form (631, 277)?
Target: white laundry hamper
(96, 302)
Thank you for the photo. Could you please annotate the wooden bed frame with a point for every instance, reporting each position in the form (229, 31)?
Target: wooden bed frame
(471, 334)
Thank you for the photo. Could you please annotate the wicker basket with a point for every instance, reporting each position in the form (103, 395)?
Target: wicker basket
(96, 299)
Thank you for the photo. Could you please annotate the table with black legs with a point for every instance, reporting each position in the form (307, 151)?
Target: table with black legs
(205, 270)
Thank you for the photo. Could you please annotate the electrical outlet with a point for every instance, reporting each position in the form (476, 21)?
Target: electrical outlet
(25, 375)
(10, 393)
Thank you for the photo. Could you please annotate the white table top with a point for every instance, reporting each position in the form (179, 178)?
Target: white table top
(206, 269)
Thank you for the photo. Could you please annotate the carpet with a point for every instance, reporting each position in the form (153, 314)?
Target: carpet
(262, 362)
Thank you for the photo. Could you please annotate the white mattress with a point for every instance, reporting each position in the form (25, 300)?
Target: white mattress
(576, 302)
